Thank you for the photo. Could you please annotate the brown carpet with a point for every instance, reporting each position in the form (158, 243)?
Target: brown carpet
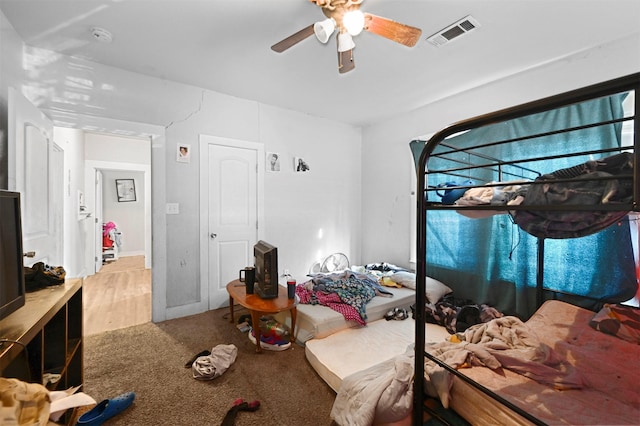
(149, 360)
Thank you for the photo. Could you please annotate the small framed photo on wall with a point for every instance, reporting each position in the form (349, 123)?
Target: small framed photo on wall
(183, 153)
(273, 162)
(126, 190)
(300, 165)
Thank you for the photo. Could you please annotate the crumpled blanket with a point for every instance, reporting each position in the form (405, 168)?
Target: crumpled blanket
(211, 366)
(327, 282)
(501, 343)
(382, 393)
(494, 194)
(345, 292)
(589, 186)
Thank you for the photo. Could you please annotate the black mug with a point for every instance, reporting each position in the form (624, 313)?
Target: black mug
(249, 278)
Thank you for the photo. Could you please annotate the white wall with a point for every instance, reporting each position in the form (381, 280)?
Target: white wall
(387, 202)
(75, 229)
(292, 218)
(118, 149)
(316, 213)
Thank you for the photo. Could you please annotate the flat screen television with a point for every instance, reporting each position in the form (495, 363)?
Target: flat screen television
(12, 290)
(266, 263)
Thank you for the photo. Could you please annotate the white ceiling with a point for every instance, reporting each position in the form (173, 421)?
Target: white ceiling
(224, 45)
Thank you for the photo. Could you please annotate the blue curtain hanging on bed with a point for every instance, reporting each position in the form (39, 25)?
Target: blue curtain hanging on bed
(492, 260)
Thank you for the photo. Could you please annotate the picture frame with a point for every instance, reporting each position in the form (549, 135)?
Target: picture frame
(183, 153)
(273, 162)
(300, 165)
(126, 190)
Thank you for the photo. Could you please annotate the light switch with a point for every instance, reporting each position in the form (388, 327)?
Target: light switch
(173, 208)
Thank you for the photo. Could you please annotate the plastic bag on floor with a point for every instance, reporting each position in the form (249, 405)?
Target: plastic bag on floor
(23, 403)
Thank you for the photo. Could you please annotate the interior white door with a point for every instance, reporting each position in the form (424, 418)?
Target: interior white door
(98, 221)
(34, 171)
(231, 216)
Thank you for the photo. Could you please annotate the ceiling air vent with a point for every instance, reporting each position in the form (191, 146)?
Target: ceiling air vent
(453, 31)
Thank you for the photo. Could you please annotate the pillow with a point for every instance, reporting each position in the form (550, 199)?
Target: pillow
(434, 289)
(404, 278)
(620, 321)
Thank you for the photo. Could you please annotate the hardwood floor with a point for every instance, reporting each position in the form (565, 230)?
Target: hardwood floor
(118, 296)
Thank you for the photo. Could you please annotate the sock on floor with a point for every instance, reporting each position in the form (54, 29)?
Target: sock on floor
(238, 405)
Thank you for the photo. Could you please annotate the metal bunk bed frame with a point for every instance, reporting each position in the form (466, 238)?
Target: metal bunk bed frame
(623, 84)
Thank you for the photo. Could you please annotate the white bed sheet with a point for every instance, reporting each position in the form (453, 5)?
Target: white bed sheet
(349, 351)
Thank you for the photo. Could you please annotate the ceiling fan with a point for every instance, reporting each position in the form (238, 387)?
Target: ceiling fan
(345, 18)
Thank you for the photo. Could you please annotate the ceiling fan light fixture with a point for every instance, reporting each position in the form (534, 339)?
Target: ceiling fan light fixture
(353, 22)
(324, 29)
(345, 42)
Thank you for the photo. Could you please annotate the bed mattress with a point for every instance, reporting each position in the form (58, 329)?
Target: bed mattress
(317, 321)
(607, 364)
(355, 349)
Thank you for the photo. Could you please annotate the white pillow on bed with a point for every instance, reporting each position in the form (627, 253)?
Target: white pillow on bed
(434, 289)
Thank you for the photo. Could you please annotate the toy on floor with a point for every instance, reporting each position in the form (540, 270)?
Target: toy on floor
(273, 335)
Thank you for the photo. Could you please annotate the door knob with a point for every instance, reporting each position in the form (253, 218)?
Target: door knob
(213, 236)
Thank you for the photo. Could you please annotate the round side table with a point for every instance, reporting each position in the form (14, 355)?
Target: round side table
(258, 306)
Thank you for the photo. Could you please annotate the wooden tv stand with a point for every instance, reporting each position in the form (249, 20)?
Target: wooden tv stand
(49, 325)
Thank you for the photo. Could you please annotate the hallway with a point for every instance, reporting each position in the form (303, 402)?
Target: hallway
(118, 296)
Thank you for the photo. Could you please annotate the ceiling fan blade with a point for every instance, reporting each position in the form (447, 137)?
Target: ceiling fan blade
(293, 39)
(395, 31)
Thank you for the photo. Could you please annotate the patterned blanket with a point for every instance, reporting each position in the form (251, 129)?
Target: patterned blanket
(618, 320)
(345, 292)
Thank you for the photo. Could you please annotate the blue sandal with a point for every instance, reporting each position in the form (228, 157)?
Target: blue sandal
(106, 409)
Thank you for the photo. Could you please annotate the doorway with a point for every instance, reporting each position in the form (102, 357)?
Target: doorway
(110, 159)
(157, 249)
(117, 288)
(121, 228)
